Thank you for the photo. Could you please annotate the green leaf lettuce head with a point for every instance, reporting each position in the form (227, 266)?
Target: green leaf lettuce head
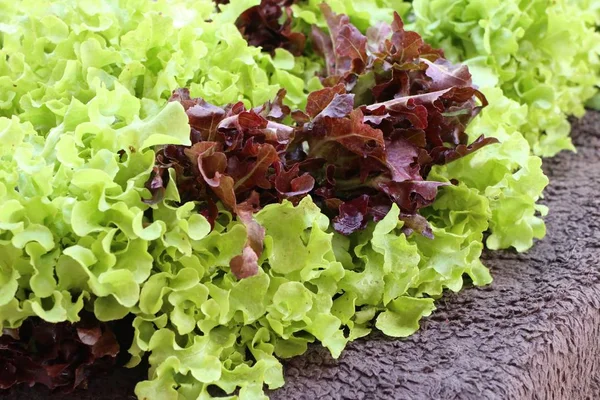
(72, 215)
(204, 327)
(541, 53)
(53, 51)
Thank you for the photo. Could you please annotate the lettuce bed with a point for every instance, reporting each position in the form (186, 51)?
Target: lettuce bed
(97, 216)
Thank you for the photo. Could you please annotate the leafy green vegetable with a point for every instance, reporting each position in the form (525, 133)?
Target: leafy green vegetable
(204, 327)
(61, 356)
(150, 48)
(72, 219)
(84, 86)
(541, 53)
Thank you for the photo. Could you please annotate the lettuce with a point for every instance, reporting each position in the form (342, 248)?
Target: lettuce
(84, 91)
(53, 51)
(61, 356)
(205, 328)
(72, 219)
(543, 54)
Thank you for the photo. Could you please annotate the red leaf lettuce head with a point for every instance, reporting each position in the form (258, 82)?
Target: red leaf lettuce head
(392, 107)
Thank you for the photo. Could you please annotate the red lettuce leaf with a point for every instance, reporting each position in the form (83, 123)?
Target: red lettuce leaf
(291, 184)
(262, 26)
(344, 49)
(61, 356)
(244, 265)
(319, 100)
(353, 215)
(234, 152)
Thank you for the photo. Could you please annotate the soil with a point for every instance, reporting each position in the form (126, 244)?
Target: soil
(532, 334)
